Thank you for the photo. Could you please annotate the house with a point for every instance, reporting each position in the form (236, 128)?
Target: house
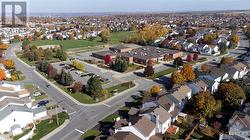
(144, 128)
(169, 105)
(239, 124)
(16, 109)
(214, 77)
(161, 118)
(209, 50)
(180, 96)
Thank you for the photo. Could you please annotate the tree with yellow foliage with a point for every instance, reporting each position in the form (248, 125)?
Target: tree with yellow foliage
(177, 78)
(4, 46)
(105, 34)
(234, 40)
(155, 90)
(187, 72)
(78, 65)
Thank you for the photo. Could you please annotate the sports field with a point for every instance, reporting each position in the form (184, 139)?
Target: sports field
(115, 38)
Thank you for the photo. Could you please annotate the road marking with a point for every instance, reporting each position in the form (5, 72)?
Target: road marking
(72, 113)
(106, 105)
(82, 132)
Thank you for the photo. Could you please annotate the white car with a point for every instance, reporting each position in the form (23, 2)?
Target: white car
(36, 94)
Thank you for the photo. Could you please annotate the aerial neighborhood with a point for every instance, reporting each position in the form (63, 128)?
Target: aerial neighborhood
(126, 76)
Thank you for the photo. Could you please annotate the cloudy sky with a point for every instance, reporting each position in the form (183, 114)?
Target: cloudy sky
(73, 6)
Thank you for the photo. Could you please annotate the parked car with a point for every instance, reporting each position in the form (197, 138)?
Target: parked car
(36, 94)
(43, 103)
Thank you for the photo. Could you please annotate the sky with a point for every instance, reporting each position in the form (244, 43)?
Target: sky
(96, 6)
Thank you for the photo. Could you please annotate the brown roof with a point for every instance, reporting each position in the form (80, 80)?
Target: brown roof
(156, 137)
(201, 84)
(145, 126)
(7, 88)
(175, 112)
(165, 102)
(163, 114)
(239, 66)
(181, 92)
(133, 111)
(242, 118)
(124, 136)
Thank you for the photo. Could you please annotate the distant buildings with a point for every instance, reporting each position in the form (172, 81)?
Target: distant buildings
(140, 55)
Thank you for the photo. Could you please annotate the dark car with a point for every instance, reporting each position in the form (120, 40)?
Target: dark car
(48, 86)
(43, 103)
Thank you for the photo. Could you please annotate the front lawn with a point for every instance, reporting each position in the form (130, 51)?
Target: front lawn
(162, 73)
(121, 87)
(46, 126)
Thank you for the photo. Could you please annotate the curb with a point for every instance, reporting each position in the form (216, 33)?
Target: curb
(66, 122)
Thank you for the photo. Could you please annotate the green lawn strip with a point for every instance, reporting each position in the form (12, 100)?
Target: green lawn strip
(121, 87)
(47, 126)
(115, 38)
(41, 97)
(51, 107)
(162, 73)
(110, 118)
(90, 134)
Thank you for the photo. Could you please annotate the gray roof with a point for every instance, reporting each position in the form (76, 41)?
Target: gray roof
(8, 110)
(39, 110)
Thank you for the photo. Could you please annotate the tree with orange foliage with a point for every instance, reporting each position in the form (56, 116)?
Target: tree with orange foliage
(2, 75)
(8, 63)
(3, 46)
(187, 72)
(226, 60)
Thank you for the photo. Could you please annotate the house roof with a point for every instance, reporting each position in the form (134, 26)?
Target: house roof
(201, 84)
(165, 102)
(162, 113)
(9, 109)
(242, 118)
(180, 93)
(145, 126)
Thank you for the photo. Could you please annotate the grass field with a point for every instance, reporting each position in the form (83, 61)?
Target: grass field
(162, 73)
(115, 38)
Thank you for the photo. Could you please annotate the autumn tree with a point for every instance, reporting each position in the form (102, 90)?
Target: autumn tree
(189, 58)
(223, 47)
(78, 65)
(155, 89)
(2, 75)
(61, 54)
(52, 72)
(177, 78)
(203, 105)
(4, 46)
(107, 59)
(105, 34)
(187, 72)
(94, 86)
(230, 94)
(149, 71)
(234, 38)
(43, 66)
(8, 63)
(195, 56)
(77, 87)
